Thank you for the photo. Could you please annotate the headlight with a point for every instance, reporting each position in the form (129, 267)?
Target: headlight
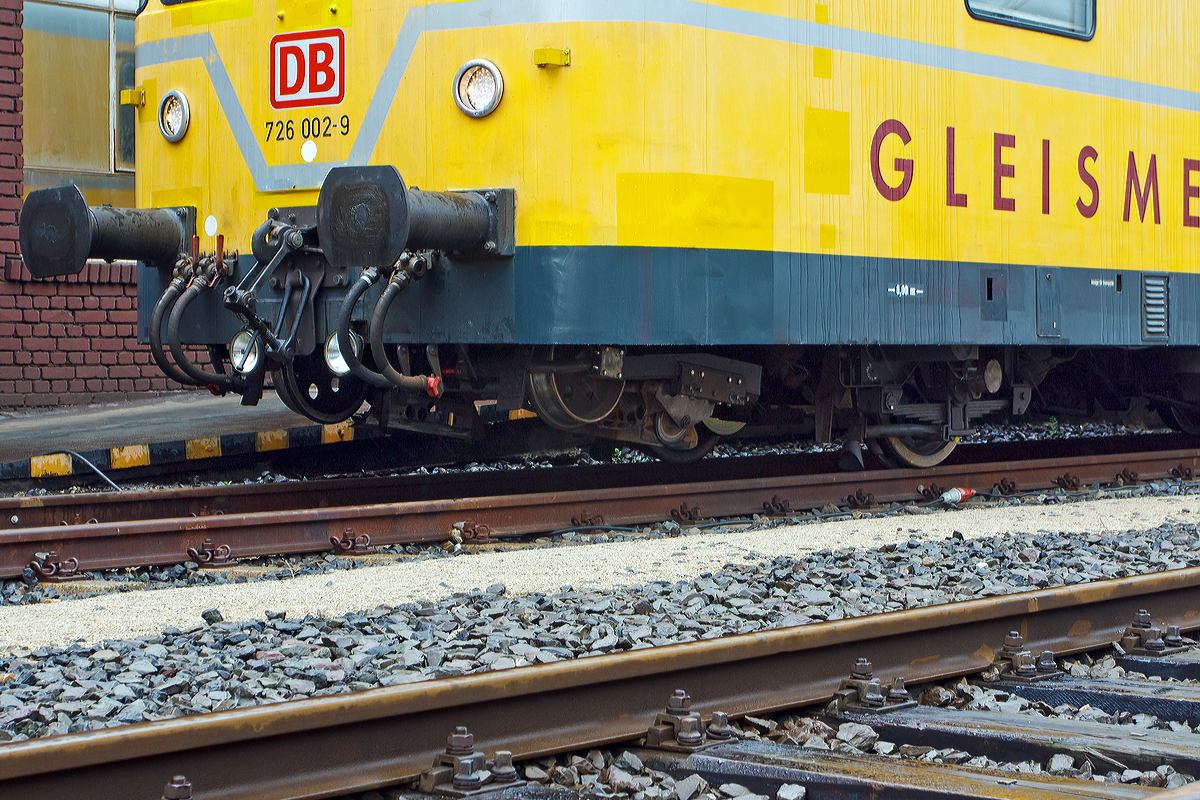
(333, 352)
(173, 115)
(244, 352)
(478, 88)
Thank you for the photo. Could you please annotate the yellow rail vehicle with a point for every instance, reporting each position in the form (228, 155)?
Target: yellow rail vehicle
(658, 222)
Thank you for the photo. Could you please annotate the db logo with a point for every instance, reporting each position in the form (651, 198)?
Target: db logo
(308, 68)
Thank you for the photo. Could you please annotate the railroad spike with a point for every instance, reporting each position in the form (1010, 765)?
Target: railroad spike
(460, 743)
(678, 700)
(719, 727)
(466, 778)
(503, 770)
(864, 693)
(690, 731)
(179, 788)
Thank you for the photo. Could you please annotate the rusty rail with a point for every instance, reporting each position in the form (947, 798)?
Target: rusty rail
(350, 743)
(218, 539)
(43, 510)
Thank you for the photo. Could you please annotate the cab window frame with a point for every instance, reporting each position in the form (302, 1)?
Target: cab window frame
(113, 173)
(1016, 22)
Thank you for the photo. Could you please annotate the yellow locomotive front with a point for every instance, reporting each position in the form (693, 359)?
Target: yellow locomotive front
(635, 219)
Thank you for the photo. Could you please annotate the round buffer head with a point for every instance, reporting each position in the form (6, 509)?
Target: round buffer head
(55, 232)
(362, 216)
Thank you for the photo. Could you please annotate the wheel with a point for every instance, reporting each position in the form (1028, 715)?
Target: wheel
(309, 387)
(1185, 419)
(281, 389)
(706, 440)
(919, 453)
(571, 400)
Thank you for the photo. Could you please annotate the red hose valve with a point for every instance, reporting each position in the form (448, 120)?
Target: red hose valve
(955, 496)
(433, 386)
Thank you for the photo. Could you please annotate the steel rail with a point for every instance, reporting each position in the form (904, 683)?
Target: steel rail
(348, 743)
(223, 538)
(42, 510)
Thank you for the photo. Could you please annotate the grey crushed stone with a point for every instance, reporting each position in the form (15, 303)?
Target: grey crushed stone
(228, 664)
(27, 591)
(964, 695)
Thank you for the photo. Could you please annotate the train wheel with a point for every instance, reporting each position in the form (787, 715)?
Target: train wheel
(1185, 419)
(281, 389)
(919, 453)
(573, 399)
(309, 387)
(706, 440)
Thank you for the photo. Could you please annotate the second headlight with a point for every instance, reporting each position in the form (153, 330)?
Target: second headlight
(333, 353)
(478, 87)
(244, 352)
(173, 115)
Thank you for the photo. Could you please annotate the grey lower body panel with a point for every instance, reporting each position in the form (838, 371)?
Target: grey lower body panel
(696, 297)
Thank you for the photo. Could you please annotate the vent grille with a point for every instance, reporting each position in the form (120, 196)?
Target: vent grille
(1156, 323)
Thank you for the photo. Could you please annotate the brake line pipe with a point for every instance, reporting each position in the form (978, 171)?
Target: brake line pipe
(345, 345)
(216, 382)
(430, 384)
(156, 320)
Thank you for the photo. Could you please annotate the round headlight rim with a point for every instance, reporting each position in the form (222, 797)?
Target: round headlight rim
(356, 343)
(461, 103)
(254, 351)
(187, 115)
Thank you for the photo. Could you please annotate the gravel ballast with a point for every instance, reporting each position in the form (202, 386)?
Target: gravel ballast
(172, 653)
(597, 567)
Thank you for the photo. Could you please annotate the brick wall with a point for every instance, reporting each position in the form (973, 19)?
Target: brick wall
(72, 340)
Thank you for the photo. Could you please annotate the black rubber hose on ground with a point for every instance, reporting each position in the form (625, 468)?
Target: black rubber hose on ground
(213, 380)
(410, 383)
(364, 282)
(156, 320)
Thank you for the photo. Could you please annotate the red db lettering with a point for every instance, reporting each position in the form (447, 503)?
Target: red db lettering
(308, 68)
(321, 76)
(292, 69)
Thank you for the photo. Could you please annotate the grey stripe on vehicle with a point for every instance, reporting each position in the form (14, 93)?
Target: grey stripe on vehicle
(266, 178)
(687, 13)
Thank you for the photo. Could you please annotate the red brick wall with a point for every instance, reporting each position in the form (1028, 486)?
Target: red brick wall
(12, 164)
(67, 341)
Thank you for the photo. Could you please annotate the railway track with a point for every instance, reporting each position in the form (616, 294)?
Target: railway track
(349, 743)
(61, 538)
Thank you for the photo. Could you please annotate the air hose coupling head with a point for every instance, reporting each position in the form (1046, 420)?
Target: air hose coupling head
(400, 279)
(417, 266)
(433, 385)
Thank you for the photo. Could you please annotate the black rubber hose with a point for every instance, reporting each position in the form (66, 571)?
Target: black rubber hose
(411, 383)
(156, 320)
(364, 282)
(212, 379)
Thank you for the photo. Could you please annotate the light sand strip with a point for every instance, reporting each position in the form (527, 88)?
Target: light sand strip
(595, 566)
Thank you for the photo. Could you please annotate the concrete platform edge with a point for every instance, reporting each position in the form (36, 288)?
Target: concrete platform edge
(59, 463)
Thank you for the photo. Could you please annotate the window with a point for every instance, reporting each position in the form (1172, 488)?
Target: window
(1074, 18)
(78, 58)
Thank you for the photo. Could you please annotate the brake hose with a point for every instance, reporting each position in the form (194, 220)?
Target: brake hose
(156, 320)
(215, 381)
(345, 345)
(430, 384)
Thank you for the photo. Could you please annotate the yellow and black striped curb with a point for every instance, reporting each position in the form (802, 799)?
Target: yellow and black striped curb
(174, 452)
